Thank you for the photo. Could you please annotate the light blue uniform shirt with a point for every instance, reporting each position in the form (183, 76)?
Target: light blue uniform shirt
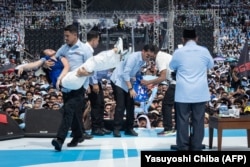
(99, 75)
(127, 70)
(76, 56)
(191, 63)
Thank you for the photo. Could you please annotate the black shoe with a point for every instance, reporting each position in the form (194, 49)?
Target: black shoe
(74, 142)
(106, 131)
(131, 132)
(86, 136)
(57, 144)
(97, 132)
(116, 133)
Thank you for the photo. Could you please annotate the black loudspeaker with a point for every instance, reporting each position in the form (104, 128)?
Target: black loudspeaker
(10, 130)
(42, 122)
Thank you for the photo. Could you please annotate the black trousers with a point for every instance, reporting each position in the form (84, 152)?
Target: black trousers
(184, 113)
(97, 107)
(123, 102)
(72, 111)
(167, 106)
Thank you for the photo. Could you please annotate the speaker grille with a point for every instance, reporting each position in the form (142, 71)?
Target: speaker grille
(11, 130)
(42, 122)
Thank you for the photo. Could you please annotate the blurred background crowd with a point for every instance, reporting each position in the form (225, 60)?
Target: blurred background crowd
(32, 91)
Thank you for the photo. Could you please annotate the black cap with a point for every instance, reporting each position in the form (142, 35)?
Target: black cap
(189, 33)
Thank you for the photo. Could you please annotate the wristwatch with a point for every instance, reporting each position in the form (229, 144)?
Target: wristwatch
(129, 89)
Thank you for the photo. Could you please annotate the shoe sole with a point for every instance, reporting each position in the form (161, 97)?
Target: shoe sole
(71, 145)
(96, 134)
(107, 133)
(116, 136)
(81, 140)
(172, 134)
(116, 45)
(88, 138)
(56, 145)
(130, 134)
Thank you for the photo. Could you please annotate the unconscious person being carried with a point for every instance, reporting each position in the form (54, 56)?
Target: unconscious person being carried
(55, 73)
(102, 61)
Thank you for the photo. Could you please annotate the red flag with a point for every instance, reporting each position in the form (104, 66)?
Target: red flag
(243, 63)
(3, 119)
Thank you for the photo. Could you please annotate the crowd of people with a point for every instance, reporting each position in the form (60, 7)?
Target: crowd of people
(11, 36)
(35, 90)
(234, 23)
(234, 30)
(10, 42)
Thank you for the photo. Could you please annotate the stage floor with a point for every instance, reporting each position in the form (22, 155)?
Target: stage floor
(103, 151)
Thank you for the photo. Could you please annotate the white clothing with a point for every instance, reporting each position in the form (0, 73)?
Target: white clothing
(148, 125)
(102, 61)
(162, 63)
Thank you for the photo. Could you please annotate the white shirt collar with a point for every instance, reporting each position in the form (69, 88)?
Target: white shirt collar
(92, 50)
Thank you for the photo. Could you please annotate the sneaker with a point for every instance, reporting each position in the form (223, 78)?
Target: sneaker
(119, 45)
(167, 133)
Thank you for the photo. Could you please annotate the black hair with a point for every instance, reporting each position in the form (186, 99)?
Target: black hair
(155, 101)
(42, 54)
(137, 104)
(7, 105)
(29, 92)
(238, 100)
(150, 47)
(92, 34)
(225, 100)
(71, 28)
(53, 94)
